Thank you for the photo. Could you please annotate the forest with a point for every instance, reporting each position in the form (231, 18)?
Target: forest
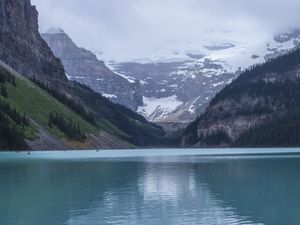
(71, 103)
(12, 123)
(69, 127)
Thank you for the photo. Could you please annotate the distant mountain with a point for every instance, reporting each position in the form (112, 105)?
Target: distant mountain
(174, 91)
(83, 66)
(189, 79)
(258, 109)
(41, 109)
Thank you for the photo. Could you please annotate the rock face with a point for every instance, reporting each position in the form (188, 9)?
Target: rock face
(176, 91)
(22, 47)
(83, 66)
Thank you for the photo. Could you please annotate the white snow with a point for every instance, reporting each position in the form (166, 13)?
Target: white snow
(218, 84)
(130, 79)
(68, 76)
(143, 82)
(231, 50)
(192, 107)
(156, 109)
(229, 81)
(110, 96)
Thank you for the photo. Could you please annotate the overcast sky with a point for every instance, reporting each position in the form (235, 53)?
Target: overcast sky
(136, 26)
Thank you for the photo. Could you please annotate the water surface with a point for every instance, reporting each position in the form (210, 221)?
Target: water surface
(150, 187)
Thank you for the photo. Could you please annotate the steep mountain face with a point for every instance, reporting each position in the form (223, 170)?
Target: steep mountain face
(83, 66)
(259, 108)
(21, 45)
(175, 91)
(179, 87)
(47, 111)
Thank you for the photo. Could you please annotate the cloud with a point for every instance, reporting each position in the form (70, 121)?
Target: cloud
(135, 26)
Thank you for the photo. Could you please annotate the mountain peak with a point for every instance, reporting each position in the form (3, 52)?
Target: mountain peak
(55, 30)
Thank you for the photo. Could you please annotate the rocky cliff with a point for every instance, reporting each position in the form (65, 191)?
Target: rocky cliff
(21, 45)
(83, 66)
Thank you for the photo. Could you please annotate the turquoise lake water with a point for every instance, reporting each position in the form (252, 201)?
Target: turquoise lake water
(236, 186)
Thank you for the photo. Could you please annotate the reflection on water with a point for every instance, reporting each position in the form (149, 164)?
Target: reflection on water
(169, 190)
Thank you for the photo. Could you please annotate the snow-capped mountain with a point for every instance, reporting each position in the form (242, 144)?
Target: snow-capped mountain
(178, 84)
(83, 66)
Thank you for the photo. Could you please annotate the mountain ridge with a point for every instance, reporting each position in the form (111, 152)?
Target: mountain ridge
(83, 66)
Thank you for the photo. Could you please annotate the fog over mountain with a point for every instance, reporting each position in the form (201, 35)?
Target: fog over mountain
(131, 29)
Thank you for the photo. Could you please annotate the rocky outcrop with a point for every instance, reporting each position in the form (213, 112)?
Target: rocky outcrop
(83, 66)
(22, 47)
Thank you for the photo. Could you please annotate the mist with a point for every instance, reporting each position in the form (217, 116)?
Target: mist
(133, 28)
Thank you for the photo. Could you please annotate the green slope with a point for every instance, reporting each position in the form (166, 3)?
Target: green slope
(27, 98)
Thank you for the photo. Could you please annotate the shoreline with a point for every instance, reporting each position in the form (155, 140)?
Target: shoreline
(138, 153)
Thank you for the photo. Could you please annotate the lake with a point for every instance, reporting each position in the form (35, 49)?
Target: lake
(221, 186)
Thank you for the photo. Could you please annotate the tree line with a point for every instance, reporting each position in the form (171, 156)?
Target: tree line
(12, 125)
(12, 122)
(283, 131)
(69, 127)
(243, 84)
(71, 103)
(19, 118)
(11, 138)
(6, 76)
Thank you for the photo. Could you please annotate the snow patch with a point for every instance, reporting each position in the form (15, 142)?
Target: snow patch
(128, 78)
(68, 76)
(218, 84)
(110, 96)
(156, 109)
(143, 82)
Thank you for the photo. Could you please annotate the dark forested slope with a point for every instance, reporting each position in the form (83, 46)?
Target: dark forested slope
(259, 108)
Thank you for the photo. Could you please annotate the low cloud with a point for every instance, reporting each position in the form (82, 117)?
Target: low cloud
(135, 26)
